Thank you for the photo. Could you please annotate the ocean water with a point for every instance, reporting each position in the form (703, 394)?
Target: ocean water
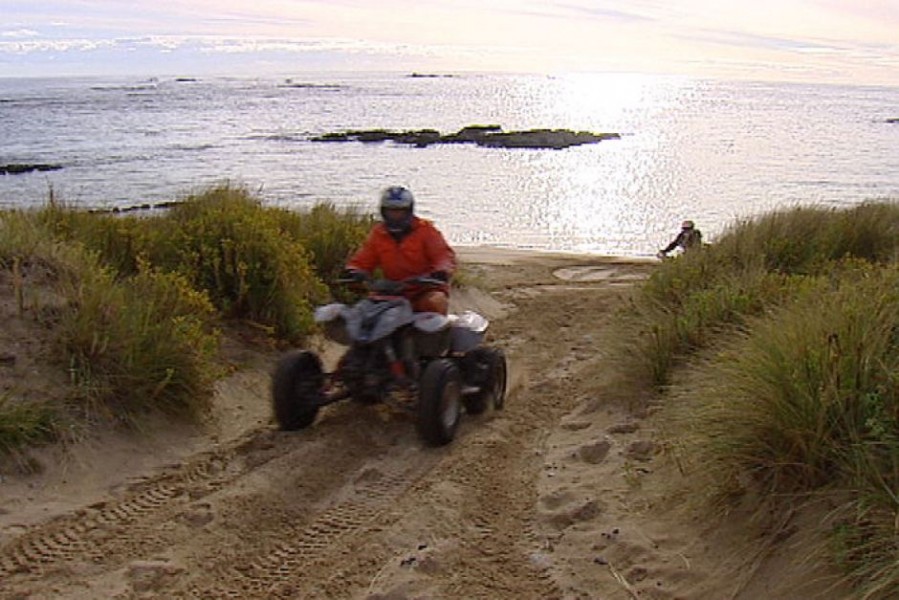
(711, 151)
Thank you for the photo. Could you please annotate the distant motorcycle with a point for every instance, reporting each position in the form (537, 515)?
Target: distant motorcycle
(428, 364)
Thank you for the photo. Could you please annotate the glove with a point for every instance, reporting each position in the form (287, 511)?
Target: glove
(441, 275)
(355, 275)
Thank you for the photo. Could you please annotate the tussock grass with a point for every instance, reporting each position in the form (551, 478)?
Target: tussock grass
(753, 266)
(805, 402)
(24, 424)
(774, 354)
(795, 395)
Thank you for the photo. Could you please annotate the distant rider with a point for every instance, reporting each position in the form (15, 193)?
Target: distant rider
(689, 238)
(404, 246)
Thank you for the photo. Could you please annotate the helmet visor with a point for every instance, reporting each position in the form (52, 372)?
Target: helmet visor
(397, 219)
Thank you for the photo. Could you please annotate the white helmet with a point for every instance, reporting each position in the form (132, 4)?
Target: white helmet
(397, 197)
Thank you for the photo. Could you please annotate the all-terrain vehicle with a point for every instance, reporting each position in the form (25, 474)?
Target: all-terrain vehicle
(428, 364)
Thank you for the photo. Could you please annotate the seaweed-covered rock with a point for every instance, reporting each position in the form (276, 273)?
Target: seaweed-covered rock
(491, 136)
(543, 138)
(428, 75)
(18, 168)
(420, 138)
(473, 133)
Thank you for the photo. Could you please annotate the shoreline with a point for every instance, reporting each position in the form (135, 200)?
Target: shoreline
(499, 255)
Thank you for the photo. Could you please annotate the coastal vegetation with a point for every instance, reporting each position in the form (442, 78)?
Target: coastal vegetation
(773, 356)
(132, 307)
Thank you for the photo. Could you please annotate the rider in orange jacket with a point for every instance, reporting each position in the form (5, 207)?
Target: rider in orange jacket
(403, 246)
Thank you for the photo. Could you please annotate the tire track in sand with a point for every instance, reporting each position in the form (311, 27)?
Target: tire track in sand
(155, 515)
(85, 533)
(276, 570)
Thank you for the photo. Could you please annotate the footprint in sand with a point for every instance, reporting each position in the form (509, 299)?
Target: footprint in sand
(152, 575)
(595, 452)
(641, 450)
(572, 513)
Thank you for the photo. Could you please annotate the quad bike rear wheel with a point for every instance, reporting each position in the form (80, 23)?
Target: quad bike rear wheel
(297, 385)
(440, 402)
(489, 364)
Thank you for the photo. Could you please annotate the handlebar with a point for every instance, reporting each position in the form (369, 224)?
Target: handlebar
(392, 287)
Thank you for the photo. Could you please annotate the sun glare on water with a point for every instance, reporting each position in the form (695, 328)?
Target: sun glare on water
(597, 195)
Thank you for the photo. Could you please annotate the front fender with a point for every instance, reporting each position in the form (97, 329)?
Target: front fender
(370, 321)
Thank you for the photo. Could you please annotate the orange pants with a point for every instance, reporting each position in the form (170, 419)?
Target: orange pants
(432, 301)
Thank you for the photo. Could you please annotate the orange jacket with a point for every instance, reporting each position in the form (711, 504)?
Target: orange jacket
(420, 252)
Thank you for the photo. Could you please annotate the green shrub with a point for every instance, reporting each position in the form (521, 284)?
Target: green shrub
(129, 344)
(224, 242)
(329, 234)
(132, 299)
(260, 264)
(112, 237)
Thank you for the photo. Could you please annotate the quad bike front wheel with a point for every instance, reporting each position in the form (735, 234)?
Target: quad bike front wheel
(297, 385)
(490, 366)
(440, 402)
(499, 373)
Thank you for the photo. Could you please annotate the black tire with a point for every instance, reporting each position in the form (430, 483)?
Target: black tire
(439, 402)
(296, 390)
(492, 361)
(500, 378)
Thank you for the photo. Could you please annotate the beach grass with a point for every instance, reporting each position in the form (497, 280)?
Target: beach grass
(804, 403)
(754, 265)
(774, 356)
(24, 424)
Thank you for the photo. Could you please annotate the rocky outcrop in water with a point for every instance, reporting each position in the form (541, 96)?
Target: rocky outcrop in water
(483, 135)
(137, 207)
(428, 75)
(17, 168)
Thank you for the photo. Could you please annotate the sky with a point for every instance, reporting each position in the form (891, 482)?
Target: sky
(826, 41)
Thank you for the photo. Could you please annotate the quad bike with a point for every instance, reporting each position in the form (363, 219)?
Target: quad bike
(428, 364)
